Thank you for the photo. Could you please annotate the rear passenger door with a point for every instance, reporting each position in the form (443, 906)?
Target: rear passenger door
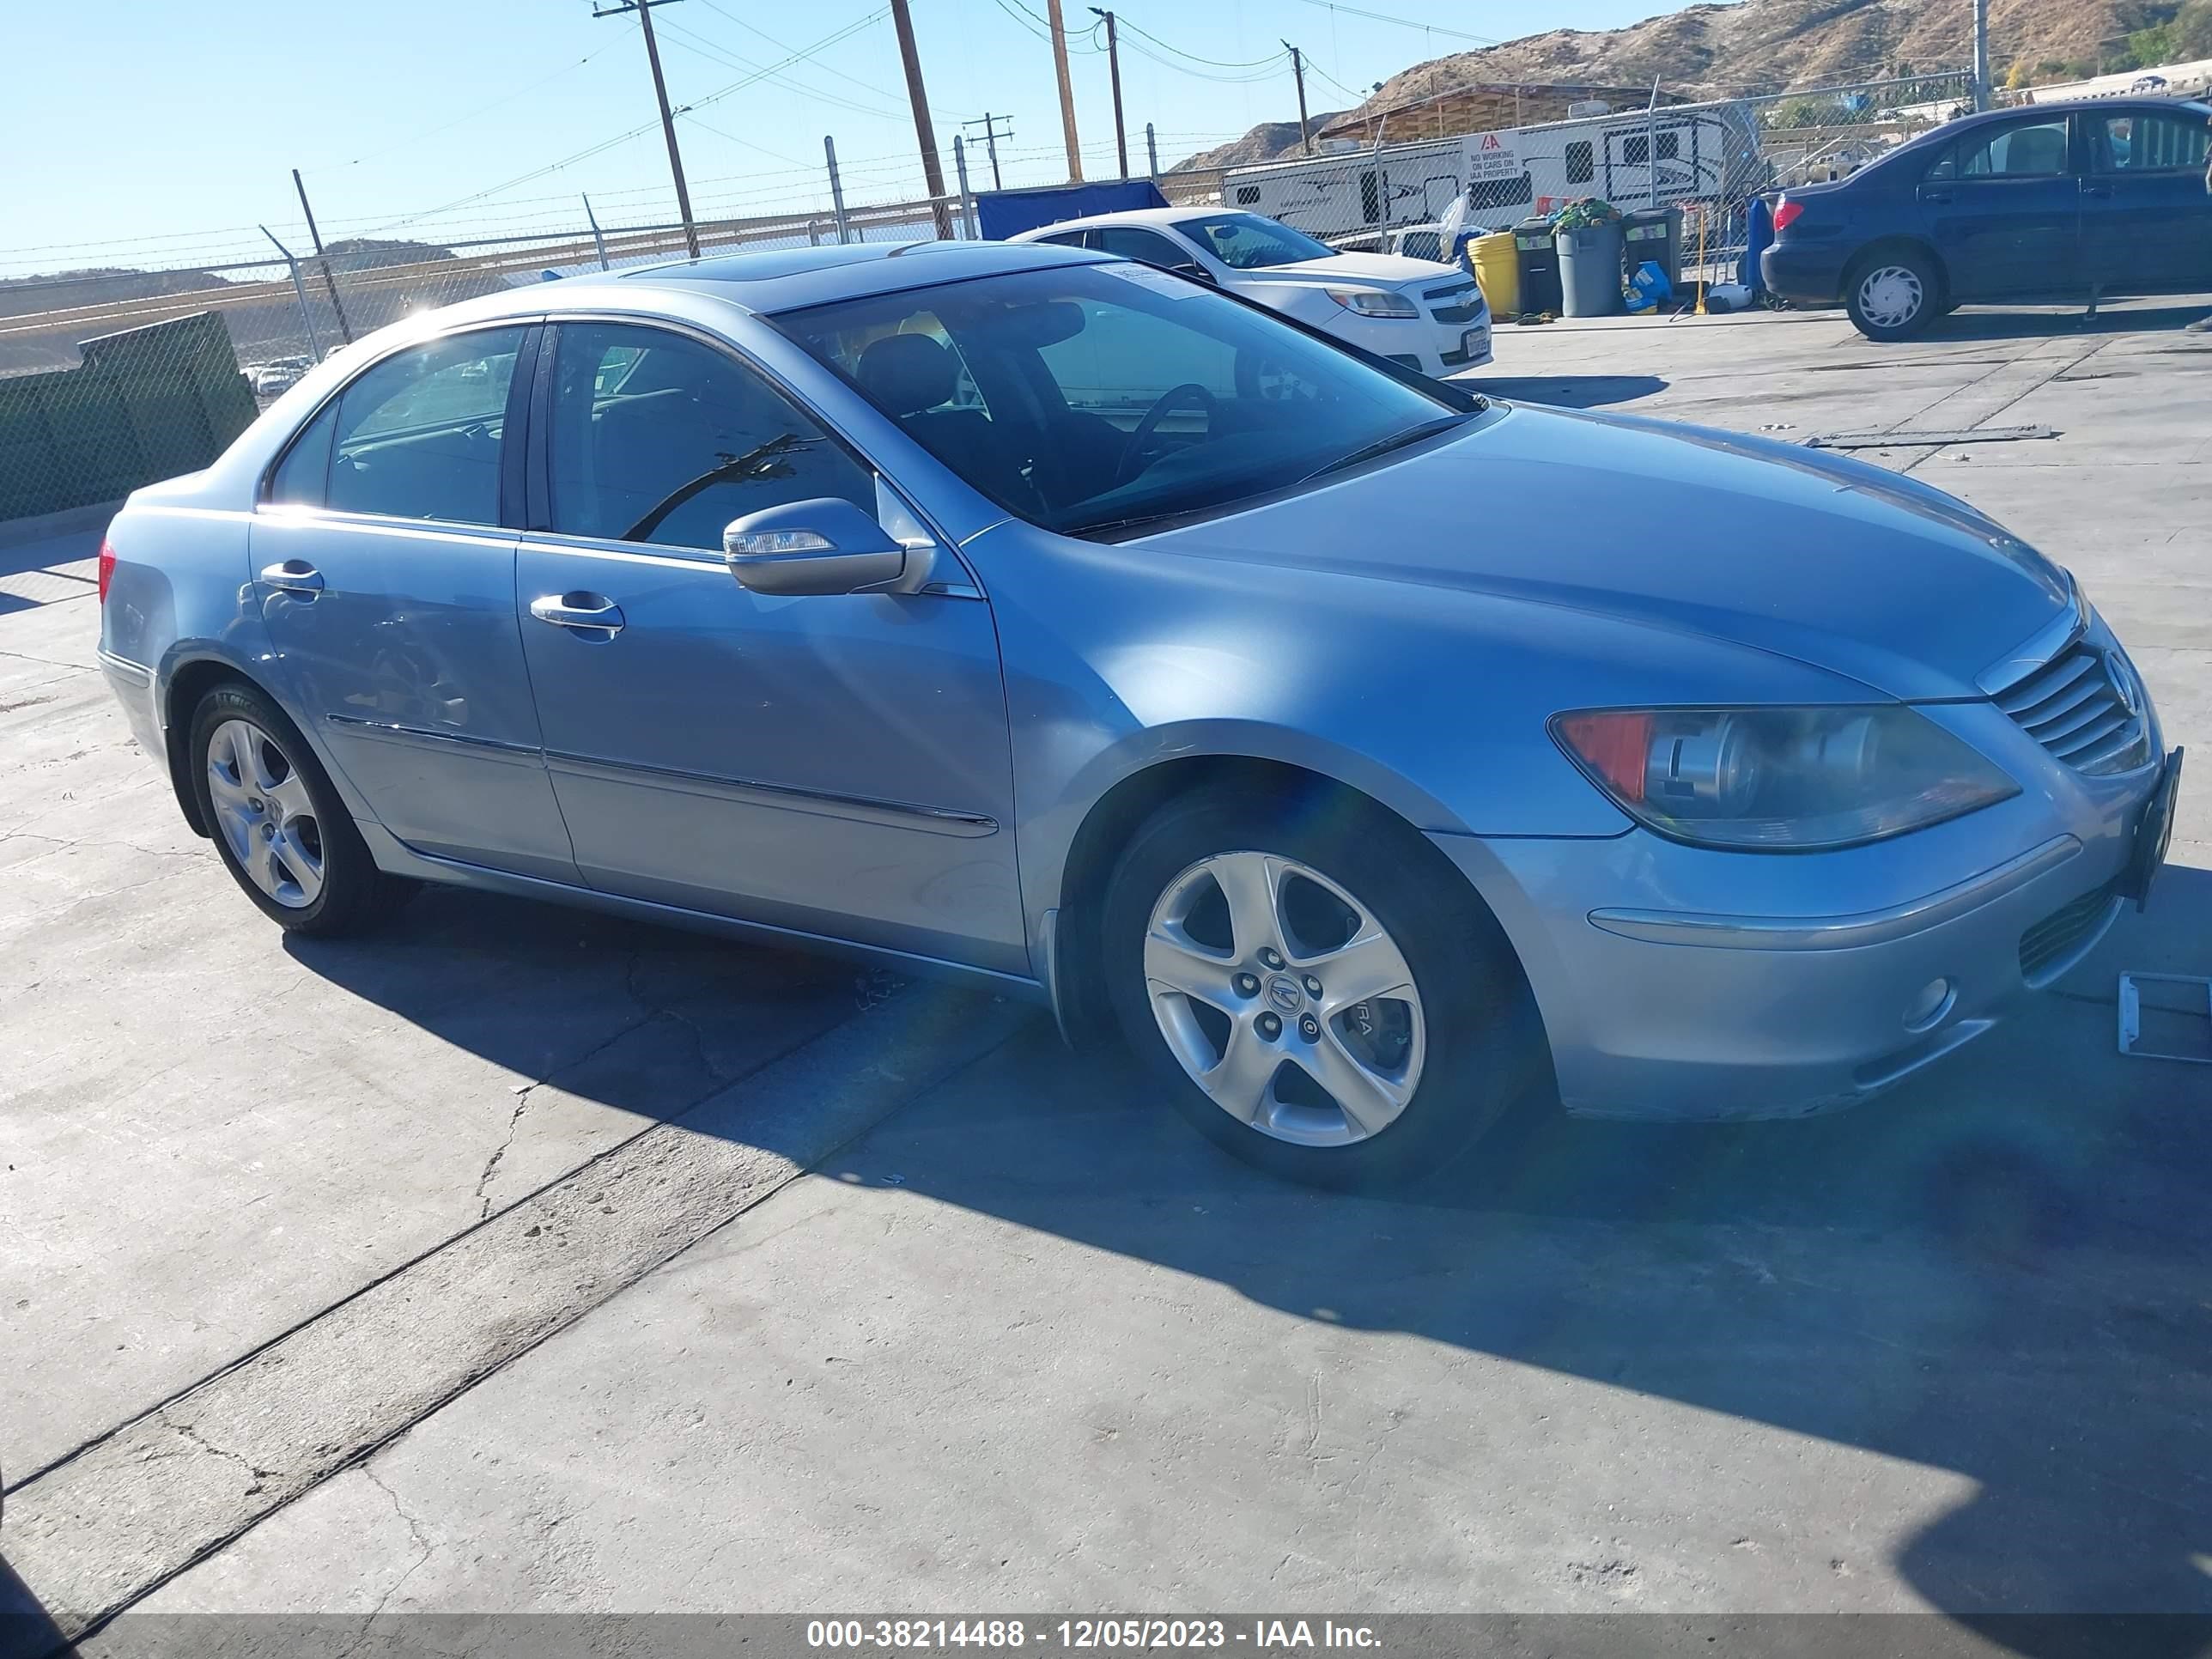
(2003, 208)
(383, 568)
(2146, 214)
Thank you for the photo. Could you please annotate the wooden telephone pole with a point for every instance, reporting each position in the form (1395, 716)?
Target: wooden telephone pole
(1114, 72)
(1066, 91)
(644, 10)
(925, 134)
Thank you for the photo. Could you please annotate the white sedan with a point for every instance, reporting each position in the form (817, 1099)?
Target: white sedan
(1423, 316)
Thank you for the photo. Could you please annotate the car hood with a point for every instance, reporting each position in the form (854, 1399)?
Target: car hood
(1810, 556)
(1381, 269)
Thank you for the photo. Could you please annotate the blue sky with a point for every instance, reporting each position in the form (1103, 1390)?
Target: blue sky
(150, 132)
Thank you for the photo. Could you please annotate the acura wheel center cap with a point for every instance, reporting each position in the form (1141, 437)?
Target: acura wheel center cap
(1286, 995)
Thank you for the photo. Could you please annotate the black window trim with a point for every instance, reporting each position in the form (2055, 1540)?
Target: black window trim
(538, 434)
(513, 426)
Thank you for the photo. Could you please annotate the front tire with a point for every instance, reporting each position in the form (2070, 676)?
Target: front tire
(1318, 993)
(277, 821)
(1893, 295)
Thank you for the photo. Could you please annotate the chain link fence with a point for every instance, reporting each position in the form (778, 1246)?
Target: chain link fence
(1710, 159)
(110, 378)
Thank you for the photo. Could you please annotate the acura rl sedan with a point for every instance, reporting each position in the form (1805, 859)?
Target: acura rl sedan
(1045, 618)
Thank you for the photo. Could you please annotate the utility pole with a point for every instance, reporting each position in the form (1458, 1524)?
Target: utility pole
(644, 10)
(990, 125)
(345, 328)
(1113, 70)
(1299, 74)
(1153, 152)
(1981, 54)
(1066, 91)
(932, 174)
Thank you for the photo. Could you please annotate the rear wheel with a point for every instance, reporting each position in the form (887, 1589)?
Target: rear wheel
(1316, 993)
(1893, 294)
(278, 823)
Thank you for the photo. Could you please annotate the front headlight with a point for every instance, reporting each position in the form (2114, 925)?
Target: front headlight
(1374, 301)
(1779, 779)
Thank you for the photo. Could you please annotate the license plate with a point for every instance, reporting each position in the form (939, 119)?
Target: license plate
(1474, 342)
(2154, 835)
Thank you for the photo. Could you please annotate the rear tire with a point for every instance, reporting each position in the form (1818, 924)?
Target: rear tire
(1893, 294)
(1197, 977)
(277, 824)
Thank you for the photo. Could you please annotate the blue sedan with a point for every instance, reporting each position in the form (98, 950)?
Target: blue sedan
(1046, 619)
(2051, 202)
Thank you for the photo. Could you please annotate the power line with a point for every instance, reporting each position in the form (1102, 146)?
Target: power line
(462, 120)
(1403, 22)
(1214, 63)
(699, 46)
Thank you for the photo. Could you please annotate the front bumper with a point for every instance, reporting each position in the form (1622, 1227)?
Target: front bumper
(1421, 345)
(1680, 983)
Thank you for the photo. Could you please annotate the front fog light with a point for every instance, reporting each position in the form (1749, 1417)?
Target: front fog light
(1933, 1002)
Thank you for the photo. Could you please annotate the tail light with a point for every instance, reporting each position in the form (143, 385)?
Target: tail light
(1787, 214)
(107, 567)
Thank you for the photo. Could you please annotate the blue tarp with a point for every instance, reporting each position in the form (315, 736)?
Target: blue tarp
(1003, 213)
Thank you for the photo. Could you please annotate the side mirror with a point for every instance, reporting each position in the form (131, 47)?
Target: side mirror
(821, 546)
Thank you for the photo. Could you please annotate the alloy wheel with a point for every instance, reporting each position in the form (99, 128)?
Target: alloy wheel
(1284, 998)
(264, 814)
(1891, 296)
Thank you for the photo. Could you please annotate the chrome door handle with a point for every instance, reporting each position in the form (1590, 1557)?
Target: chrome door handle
(582, 613)
(293, 576)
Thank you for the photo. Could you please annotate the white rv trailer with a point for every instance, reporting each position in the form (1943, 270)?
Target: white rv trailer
(1697, 152)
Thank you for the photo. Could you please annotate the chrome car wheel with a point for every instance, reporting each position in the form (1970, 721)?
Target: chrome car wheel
(264, 814)
(1285, 1000)
(1891, 296)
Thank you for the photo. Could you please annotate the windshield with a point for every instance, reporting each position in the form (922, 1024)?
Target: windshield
(1245, 241)
(1095, 399)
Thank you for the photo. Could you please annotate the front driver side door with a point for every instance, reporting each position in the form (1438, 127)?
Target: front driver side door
(837, 765)
(2003, 208)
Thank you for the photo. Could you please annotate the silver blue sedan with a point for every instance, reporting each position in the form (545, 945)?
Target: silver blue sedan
(1370, 754)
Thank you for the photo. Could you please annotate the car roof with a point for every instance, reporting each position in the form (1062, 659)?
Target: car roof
(2115, 106)
(777, 279)
(1166, 215)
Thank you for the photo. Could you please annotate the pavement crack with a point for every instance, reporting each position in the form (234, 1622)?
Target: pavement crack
(255, 1476)
(423, 1543)
(498, 1152)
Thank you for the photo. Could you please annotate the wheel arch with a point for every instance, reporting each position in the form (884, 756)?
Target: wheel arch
(1074, 941)
(185, 683)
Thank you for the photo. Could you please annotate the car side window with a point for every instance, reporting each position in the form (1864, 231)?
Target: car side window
(420, 435)
(1132, 242)
(662, 438)
(303, 477)
(1063, 239)
(2037, 150)
(2152, 143)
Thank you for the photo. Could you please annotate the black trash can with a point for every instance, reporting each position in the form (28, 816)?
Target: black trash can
(1653, 233)
(1539, 265)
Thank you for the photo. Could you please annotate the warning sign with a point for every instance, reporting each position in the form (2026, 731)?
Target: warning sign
(1493, 156)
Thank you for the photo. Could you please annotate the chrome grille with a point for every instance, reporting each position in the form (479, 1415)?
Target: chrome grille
(2086, 708)
(2056, 937)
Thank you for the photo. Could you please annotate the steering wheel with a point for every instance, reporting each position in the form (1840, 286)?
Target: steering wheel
(1188, 392)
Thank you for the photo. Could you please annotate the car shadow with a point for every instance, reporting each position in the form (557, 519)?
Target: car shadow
(1565, 391)
(1999, 1269)
(1974, 323)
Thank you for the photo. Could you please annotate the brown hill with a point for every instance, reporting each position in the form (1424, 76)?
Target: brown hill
(1759, 45)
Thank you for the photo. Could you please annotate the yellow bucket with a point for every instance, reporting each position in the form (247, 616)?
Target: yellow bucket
(1497, 269)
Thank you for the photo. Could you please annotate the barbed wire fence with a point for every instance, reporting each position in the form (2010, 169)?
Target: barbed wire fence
(149, 356)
